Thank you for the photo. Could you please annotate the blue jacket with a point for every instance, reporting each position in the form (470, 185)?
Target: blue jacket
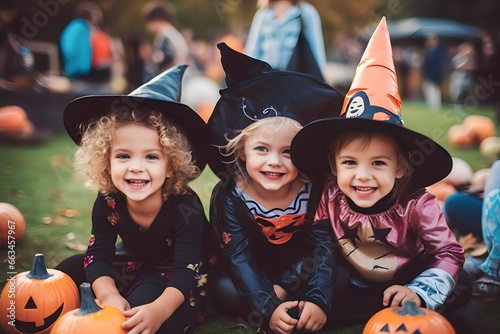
(75, 48)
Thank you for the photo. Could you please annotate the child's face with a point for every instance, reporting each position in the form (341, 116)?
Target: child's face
(367, 174)
(267, 159)
(138, 164)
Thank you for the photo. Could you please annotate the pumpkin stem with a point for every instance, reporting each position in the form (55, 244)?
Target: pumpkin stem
(87, 304)
(38, 269)
(409, 308)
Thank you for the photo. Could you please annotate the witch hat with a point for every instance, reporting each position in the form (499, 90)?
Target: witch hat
(373, 102)
(256, 91)
(162, 93)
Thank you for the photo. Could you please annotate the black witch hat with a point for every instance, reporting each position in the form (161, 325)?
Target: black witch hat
(162, 93)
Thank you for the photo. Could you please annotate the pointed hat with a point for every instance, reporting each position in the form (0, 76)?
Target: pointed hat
(162, 93)
(372, 103)
(255, 91)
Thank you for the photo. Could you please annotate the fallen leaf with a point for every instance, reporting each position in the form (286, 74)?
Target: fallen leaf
(75, 246)
(70, 213)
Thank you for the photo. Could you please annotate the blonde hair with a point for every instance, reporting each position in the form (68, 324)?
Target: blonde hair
(236, 146)
(92, 158)
(366, 136)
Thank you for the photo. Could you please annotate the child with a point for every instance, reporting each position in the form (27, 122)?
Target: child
(393, 243)
(259, 209)
(140, 151)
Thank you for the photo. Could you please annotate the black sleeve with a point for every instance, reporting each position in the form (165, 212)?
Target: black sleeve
(188, 240)
(101, 248)
(226, 214)
(320, 267)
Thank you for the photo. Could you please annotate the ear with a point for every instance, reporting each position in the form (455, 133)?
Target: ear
(402, 169)
(170, 173)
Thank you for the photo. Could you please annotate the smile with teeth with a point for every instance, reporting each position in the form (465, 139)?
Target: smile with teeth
(273, 174)
(364, 190)
(137, 183)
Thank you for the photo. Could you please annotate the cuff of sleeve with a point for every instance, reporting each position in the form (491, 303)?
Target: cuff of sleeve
(96, 270)
(433, 286)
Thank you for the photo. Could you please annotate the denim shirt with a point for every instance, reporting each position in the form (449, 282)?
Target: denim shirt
(273, 40)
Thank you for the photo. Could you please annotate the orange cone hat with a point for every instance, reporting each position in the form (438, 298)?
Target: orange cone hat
(376, 77)
(372, 104)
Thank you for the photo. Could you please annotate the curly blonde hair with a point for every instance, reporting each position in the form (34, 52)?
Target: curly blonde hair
(236, 146)
(92, 158)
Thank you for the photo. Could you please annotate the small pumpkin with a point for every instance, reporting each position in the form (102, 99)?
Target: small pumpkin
(490, 148)
(441, 190)
(480, 127)
(460, 174)
(459, 136)
(12, 225)
(408, 319)
(12, 118)
(90, 318)
(32, 301)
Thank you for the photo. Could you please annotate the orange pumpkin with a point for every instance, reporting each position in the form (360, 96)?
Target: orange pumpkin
(90, 318)
(31, 302)
(441, 190)
(480, 127)
(408, 319)
(12, 118)
(459, 136)
(12, 225)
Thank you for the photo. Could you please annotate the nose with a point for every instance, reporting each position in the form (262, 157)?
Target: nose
(363, 173)
(274, 159)
(135, 166)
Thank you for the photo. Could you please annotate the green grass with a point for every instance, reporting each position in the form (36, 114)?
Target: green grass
(40, 182)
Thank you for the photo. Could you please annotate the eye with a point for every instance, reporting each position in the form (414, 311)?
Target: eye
(286, 152)
(152, 157)
(122, 156)
(261, 149)
(379, 163)
(349, 162)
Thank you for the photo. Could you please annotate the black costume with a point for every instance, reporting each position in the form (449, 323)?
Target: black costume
(147, 262)
(255, 262)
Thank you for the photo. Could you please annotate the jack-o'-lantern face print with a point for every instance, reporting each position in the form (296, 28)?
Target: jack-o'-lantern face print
(40, 325)
(366, 248)
(279, 231)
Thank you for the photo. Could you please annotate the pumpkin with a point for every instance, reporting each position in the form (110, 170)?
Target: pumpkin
(12, 118)
(90, 318)
(441, 190)
(490, 148)
(12, 225)
(460, 174)
(480, 127)
(31, 302)
(480, 177)
(459, 136)
(408, 319)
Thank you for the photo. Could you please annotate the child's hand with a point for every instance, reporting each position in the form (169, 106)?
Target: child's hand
(145, 318)
(280, 321)
(312, 318)
(397, 294)
(116, 300)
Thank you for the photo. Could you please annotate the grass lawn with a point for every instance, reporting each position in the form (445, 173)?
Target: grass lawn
(39, 181)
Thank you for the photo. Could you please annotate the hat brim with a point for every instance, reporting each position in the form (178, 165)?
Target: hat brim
(430, 162)
(82, 110)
